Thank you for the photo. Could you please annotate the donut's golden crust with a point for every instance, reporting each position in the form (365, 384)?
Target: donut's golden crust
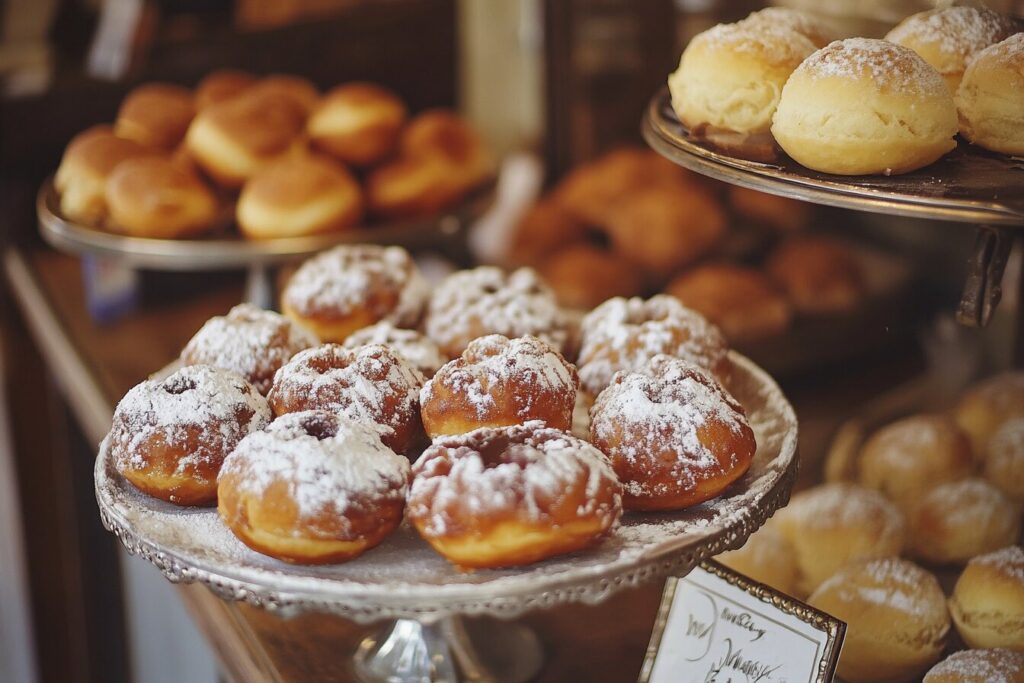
(155, 115)
(573, 275)
(300, 91)
(819, 275)
(151, 196)
(988, 405)
(358, 123)
(990, 99)
(987, 604)
(223, 84)
(88, 161)
(766, 557)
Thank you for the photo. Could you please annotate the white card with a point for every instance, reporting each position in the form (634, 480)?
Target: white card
(718, 626)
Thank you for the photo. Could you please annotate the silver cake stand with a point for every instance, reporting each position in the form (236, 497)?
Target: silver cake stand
(424, 598)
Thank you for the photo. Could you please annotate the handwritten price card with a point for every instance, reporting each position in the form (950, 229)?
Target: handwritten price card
(717, 626)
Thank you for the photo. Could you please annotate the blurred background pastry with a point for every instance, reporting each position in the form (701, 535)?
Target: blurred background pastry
(82, 176)
(985, 407)
(987, 604)
(220, 85)
(584, 276)
(818, 274)
(990, 100)
(978, 666)
(1003, 461)
(358, 123)
(150, 196)
(155, 115)
(766, 557)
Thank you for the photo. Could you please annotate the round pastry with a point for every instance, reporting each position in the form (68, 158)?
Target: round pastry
(313, 488)
(486, 300)
(358, 123)
(781, 214)
(299, 195)
(988, 601)
(911, 456)
(155, 115)
(780, 18)
(233, 139)
(220, 85)
(948, 38)
(766, 557)
(896, 619)
(499, 382)
(741, 301)
(499, 497)
(832, 525)
(990, 99)
(674, 435)
(862, 106)
(664, 228)
(729, 80)
(818, 274)
(371, 384)
(250, 341)
(82, 176)
(151, 196)
(350, 287)
(300, 91)
(444, 135)
(987, 405)
(543, 229)
(571, 273)
(415, 347)
(169, 437)
(978, 666)
(624, 334)
(1004, 459)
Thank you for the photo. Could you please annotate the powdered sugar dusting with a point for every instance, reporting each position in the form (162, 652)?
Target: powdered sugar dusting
(971, 504)
(418, 349)
(958, 31)
(890, 66)
(840, 505)
(892, 583)
(1008, 53)
(979, 666)
(774, 41)
(1009, 560)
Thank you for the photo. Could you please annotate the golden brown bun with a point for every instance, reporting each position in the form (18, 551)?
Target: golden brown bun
(220, 85)
(978, 666)
(988, 601)
(818, 274)
(1004, 459)
(742, 301)
(584, 276)
(990, 99)
(358, 123)
(833, 525)
(234, 139)
(896, 620)
(948, 38)
(300, 195)
(155, 115)
(862, 106)
(152, 197)
(781, 18)
(543, 229)
(300, 91)
(778, 213)
(909, 457)
(88, 161)
(766, 557)
(987, 405)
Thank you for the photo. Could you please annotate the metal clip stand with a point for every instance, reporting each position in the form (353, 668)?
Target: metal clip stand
(983, 288)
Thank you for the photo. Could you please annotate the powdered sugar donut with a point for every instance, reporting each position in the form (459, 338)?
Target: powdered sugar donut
(314, 487)
(624, 334)
(369, 384)
(498, 497)
(978, 666)
(169, 437)
(987, 604)
(1004, 459)
(415, 347)
(250, 341)
(674, 435)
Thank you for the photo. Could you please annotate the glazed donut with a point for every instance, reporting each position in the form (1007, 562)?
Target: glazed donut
(220, 85)
(155, 115)
(623, 334)
(987, 604)
(415, 347)
(350, 287)
(499, 382)
(250, 341)
(499, 497)
(299, 195)
(570, 273)
(313, 488)
(151, 196)
(169, 437)
(674, 435)
(986, 406)
(82, 176)
(819, 275)
(990, 99)
(485, 300)
(978, 666)
(1004, 459)
(358, 123)
(371, 384)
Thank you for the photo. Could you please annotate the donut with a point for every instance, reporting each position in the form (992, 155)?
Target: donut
(446, 136)
(357, 123)
(896, 619)
(506, 496)
(570, 273)
(411, 188)
(499, 382)
(818, 274)
(155, 115)
(543, 229)
(169, 437)
(371, 384)
(299, 195)
(987, 604)
(249, 341)
(862, 106)
(986, 406)
(220, 85)
(1003, 464)
(419, 350)
(350, 287)
(313, 488)
(990, 99)
(674, 435)
(978, 666)
(151, 196)
(743, 302)
(486, 300)
(82, 176)
(948, 38)
(623, 334)
(774, 19)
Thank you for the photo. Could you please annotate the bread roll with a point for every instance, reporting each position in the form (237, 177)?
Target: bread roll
(978, 666)
(152, 197)
(987, 405)
(990, 99)
(220, 85)
(988, 601)
(572, 273)
(766, 557)
(88, 161)
(155, 115)
(357, 123)
(1004, 459)
(820, 275)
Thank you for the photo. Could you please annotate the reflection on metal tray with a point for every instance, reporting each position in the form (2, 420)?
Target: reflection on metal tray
(969, 184)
